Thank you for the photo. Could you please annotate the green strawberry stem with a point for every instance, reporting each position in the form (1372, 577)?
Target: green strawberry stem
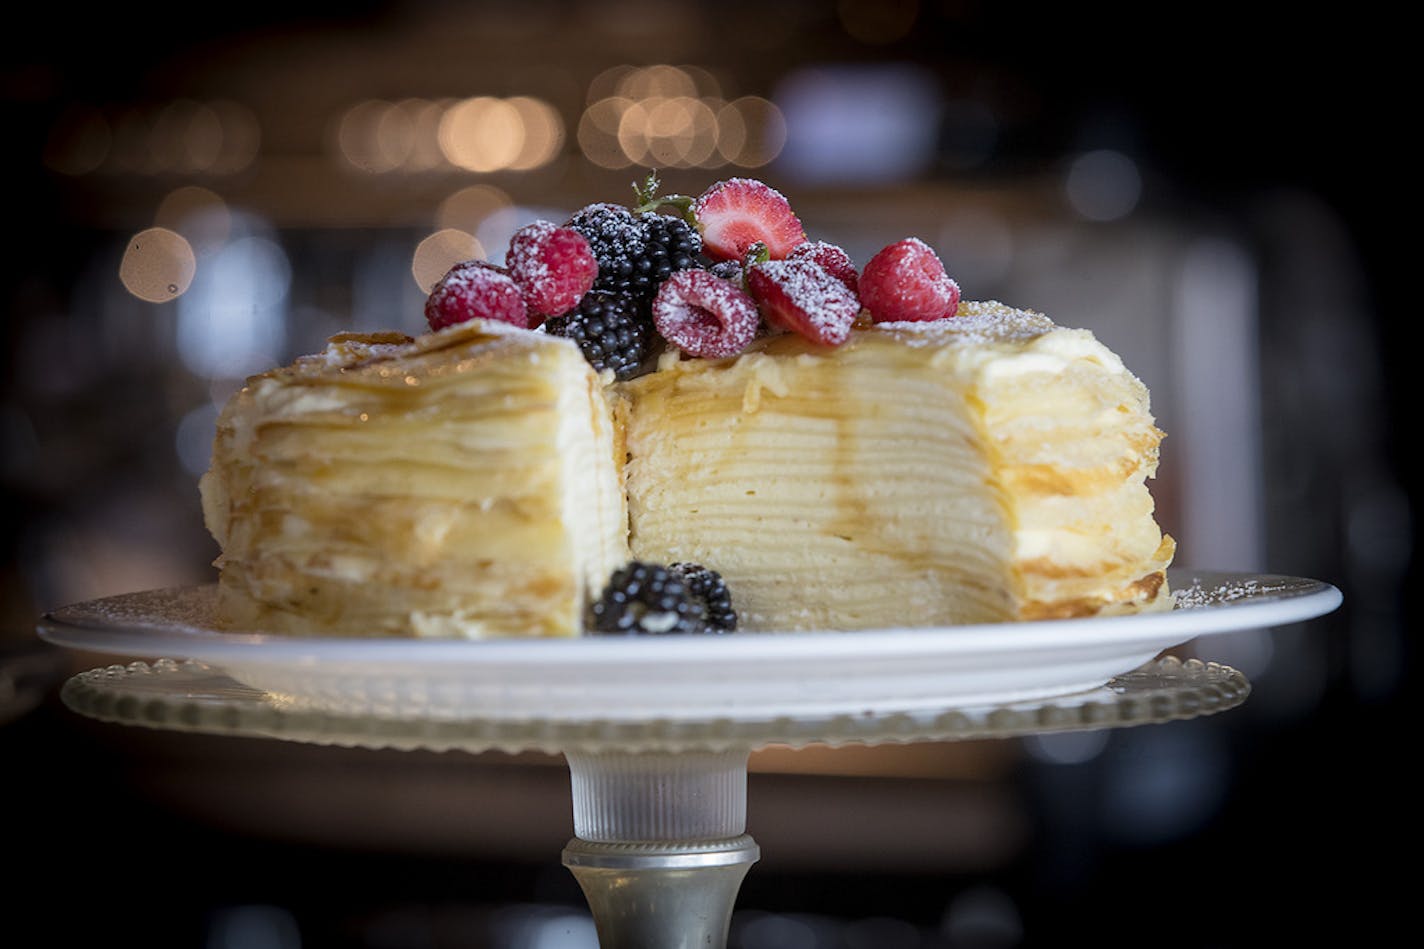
(648, 200)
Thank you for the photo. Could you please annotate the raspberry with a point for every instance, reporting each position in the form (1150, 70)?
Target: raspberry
(704, 315)
(832, 259)
(475, 289)
(801, 296)
(554, 267)
(906, 281)
(736, 213)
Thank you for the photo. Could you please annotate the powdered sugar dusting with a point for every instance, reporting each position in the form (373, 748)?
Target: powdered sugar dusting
(553, 266)
(476, 290)
(907, 281)
(1197, 594)
(831, 258)
(703, 315)
(800, 295)
(974, 323)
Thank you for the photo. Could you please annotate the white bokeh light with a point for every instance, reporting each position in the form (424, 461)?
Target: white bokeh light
(232, 321)
(1103, 185)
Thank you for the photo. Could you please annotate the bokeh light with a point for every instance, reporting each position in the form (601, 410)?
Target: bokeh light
(675, 117)
(233, 321)
(437, 253)
(863, 123)
(180, 137)
(1103, 185)
(158, 265)
(199, 214)
(467, 208)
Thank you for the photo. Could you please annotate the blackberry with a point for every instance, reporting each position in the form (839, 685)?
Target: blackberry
(610, 330)
(708, 586)
(646, 599)
(637, 251)
(672, 245)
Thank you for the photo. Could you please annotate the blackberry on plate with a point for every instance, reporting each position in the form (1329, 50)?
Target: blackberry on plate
(708, 586)
(610, 330)
(646, 599)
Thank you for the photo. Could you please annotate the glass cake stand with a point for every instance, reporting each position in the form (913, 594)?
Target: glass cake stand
(657, 733)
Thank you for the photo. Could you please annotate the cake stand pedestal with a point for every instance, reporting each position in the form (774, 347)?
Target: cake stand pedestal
(660, 847)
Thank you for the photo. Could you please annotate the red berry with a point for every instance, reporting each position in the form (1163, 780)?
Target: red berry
(906, 281)
(832, 259)
(476, 290)
(736, 213)
(704, 315)
(554, 267)
(802, 296)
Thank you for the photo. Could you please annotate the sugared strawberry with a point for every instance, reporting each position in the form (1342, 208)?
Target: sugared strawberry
(554, 267)
(906, 281)
(834, 260)
(704, 315)
(802, 296)
(475, 289)
(736, 213)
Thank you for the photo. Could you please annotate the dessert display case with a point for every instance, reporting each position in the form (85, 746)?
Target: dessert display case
(657, 733)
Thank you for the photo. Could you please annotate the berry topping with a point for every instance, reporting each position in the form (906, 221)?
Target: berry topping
(708, 586)
(609, 329)
(906, 281)
(475, 289)
(728, 270)
(553, 266)
(704, 315)
(636, 251)
(832, 259)
(650, 599)
(738, 212)
(801, 296)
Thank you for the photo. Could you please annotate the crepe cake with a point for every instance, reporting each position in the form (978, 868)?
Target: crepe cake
(689, 416)
(462, 484)
(983, 468)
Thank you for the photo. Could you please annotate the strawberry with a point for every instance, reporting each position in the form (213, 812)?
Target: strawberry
(704, 315)
(834, 260)
(802, 296)
(554, 267)
(906, 281)
(475, 289)
(735, 214)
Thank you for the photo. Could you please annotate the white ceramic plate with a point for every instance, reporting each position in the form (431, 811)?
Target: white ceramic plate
(735, 677)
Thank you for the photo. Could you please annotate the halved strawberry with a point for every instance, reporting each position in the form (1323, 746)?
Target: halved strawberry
(802, 296)
(833, 259)
(736, 213)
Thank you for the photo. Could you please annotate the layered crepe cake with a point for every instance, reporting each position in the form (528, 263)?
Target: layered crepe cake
(714, 398)
(471, 482)
(463, 484)
(987, 467)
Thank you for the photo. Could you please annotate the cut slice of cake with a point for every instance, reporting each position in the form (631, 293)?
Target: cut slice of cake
(987, 467)
(464, 484)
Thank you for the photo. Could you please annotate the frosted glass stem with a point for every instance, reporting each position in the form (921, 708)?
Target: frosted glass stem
(659, 847)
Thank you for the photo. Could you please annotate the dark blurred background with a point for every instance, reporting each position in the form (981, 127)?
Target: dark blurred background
(1219, 192)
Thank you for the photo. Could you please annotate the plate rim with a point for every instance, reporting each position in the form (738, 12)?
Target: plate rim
(1282, 599)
